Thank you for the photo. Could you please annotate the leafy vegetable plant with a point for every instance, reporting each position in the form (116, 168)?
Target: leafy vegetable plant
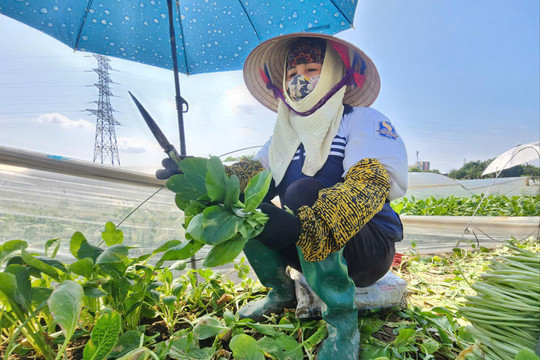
(492, 205)
(213, 212)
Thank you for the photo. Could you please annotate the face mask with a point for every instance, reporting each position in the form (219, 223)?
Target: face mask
(300, 86)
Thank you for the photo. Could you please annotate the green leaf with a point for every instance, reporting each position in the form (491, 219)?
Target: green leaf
(24, 285)
(229, 317)
(232, 192)
(405, 336)
(112, 235)
(270, 329)
(169, 301)
(82, 267)
(40, 294)
(8, 286)
(54, 263)
(245, 347)
(93, 291)
(185, 348)
(194, 208)
(183, 251)
(126, 342)
(13, 245)
(208, 327)
(75, 243)
(371, 352)
(429, 346)
(268, 345)
(87, 250)
(114, 254)
(10, 246)
(103, 337)
(225, 252)
(115, 270)
(218, 225)
(316, 338)
(195, 227)
(370, 326)
(65, 304)
(51, 247)
(191, 184)
(169, 244)
(39, 265)
(256, 190)
(289, 349)
(526, 354)
(216, 180)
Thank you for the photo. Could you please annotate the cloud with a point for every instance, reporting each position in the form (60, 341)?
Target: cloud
(65, 122)
(241, 101)
(137, 145)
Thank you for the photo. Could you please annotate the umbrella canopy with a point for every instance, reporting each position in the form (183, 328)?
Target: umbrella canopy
(516, 156)
(195, 37)
(215, 35)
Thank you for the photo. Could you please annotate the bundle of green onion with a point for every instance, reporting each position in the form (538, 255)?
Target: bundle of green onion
(505, 313)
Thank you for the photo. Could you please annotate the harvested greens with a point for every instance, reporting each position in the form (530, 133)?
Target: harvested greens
(505, 313)
(213, 212)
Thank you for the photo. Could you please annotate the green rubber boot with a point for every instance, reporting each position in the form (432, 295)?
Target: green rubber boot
(330, 281)
(270, 269)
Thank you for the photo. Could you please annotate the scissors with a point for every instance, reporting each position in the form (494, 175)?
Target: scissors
(169, 148)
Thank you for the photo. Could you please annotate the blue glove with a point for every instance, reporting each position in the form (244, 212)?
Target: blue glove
(169, 169)
(282, 228)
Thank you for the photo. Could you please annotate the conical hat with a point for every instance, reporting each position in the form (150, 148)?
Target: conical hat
(273, 53)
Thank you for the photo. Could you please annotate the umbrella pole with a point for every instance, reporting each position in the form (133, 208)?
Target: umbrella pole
(180, 101)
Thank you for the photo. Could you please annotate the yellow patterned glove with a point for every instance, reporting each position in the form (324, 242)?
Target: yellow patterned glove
(245, 169)
(341, 210)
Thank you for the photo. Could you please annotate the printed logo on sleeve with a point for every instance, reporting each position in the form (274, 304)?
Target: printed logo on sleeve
(387, 130)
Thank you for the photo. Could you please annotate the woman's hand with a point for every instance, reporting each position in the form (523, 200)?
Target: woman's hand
(169, 168)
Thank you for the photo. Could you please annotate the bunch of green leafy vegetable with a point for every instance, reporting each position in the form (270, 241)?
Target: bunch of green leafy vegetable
(505, 312)
(492, 205)
(213, 212)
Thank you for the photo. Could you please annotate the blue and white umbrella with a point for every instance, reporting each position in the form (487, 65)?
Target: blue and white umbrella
(190, 37)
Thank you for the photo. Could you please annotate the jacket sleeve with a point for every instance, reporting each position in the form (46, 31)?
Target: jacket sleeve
(245, 169)
(341, 210)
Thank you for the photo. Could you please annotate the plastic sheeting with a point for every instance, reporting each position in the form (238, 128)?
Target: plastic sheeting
(423, 185)
(38, 205)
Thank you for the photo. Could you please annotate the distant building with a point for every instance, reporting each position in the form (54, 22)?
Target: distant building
(423, 165)
(420, 165)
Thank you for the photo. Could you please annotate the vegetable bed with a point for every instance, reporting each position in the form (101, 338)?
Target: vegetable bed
(107, 304)
(492, 205)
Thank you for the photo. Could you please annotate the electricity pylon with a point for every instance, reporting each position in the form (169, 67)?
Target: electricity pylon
(105, 146)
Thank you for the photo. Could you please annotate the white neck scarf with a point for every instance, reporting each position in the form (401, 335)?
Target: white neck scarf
(315, 131)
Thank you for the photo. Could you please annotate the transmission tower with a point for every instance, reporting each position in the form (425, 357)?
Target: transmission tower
(105, 146)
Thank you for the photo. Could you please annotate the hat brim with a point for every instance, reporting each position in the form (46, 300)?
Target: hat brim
(273, 53)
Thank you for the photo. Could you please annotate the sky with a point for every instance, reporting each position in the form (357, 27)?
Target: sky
(459, 80)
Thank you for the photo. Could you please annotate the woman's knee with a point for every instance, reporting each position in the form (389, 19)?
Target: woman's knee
(303, 192)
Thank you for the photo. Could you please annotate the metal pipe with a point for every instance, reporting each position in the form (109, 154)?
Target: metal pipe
(179, 100)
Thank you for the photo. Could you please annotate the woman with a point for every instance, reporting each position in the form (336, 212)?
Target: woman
(336, 163)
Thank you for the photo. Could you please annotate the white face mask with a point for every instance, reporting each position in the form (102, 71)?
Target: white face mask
(300, 86)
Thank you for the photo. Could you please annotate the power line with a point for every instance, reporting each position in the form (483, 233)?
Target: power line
(41, 112)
